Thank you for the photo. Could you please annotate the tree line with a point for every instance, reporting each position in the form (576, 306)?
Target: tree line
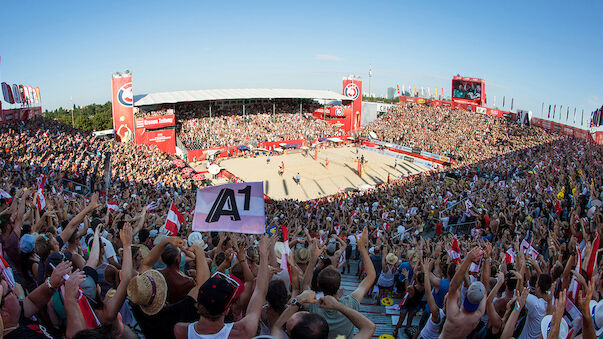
(92, 117)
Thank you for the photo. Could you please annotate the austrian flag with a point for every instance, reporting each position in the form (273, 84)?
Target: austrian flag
(41, 201)
(174, 220)
(112, 206)
(455, 251)
(510, 256)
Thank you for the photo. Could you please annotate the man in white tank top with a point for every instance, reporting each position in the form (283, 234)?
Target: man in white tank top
(214, 300)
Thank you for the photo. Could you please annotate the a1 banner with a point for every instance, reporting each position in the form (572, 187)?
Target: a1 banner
(237, 207)
(123, 112)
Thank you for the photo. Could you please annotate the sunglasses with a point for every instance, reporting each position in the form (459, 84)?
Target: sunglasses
(235, 285)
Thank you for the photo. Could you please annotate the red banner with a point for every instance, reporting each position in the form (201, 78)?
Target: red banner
(123, 113)
(161, 121)
(340, 117)
(165, 140)
(352, 88)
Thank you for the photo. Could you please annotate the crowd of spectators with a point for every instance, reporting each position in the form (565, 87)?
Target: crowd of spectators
(228, 124)
(220, 131)
(459, 134)
(526, 187)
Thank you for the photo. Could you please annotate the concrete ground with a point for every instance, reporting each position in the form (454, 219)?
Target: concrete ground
(318, 179)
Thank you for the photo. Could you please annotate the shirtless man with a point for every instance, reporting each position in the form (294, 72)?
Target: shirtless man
(461, 321)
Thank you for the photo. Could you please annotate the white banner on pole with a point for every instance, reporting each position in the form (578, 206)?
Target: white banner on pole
(237, 207)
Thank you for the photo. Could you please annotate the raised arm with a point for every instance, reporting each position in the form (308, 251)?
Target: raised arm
(114, 305)
(75, 318)
(94, 254)
(493, 317)
(75, 221)
(366, 328)
(510, 324)
(368, 281)
(433, 307)
(315, 251)
(459, 275)
(39, 297)
(201, 268)
(156, 252)
(140, 222)
(249, 323)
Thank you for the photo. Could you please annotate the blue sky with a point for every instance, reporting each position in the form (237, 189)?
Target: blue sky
(532, 51)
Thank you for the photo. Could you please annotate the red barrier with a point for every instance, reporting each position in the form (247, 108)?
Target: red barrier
(569, 130)
(226, 151)
(460, 105)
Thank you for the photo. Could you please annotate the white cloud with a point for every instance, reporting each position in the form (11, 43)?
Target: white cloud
(327, 57)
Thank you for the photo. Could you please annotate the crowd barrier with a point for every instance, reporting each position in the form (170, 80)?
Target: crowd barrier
(407, 153)
(233, 151)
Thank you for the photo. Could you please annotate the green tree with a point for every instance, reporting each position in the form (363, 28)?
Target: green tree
(90, 117)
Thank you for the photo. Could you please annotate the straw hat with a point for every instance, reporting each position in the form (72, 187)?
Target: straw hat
(149, 291)
(391, 258)
(253, 255)
(302, 255)
(142, 249)
(279, 247)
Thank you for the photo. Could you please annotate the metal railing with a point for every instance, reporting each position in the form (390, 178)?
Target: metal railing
(464, 227)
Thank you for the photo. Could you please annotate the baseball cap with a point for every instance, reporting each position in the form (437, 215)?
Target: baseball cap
(331, 248)
(27, 243)
(474, 296)
(215, 295)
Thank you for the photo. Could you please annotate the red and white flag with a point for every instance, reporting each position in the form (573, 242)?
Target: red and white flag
(510, 256)
(112, 206)
(174, 220)
(286, 251)
(6, 196)
(592, 261)
(574, 287)
(337, 228)
(41, 181)
(7, 272)
(455, 251)
(41, 201)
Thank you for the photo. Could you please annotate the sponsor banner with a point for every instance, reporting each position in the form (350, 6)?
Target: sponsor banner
(16, 95)
(123, 113)
(430, 155)
(338, 116)
(161, 121)
(419, 156)
(400, 156)
(481, 110)
(165, 140)
(352, 88)
(237, 207)
(20, 114)
(7, 93)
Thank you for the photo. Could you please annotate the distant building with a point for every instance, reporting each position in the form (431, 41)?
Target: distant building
(391, 92)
